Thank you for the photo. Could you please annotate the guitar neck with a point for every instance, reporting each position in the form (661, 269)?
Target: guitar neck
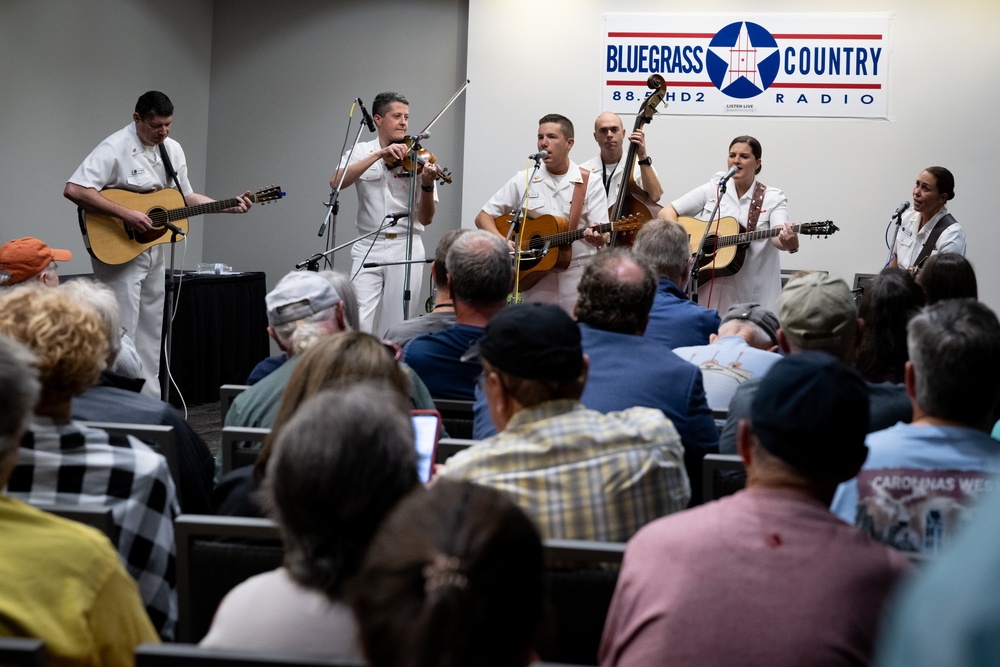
(568, 237)
(202, 209)
(756, 235)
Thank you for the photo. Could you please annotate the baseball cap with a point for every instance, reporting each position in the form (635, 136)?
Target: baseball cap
(26, 258)
(299, 295)
(533, 341)
(811, 411)
(816, 307)
(756, 313)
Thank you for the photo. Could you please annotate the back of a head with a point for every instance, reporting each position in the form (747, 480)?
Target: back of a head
(441, 255)
(339, 359)
(888, 303)
(19, 389)
(616, 292)
(948, 276)
(67, 338)
(99, 297)
(811, 412)
(341, 282)
(339, 466)
(955, 351)
(818, 313)
(453, 579)
(302, 300)
(480, 269)
(665, 245)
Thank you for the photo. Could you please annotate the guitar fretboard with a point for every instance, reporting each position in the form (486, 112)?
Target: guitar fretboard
(198, 209)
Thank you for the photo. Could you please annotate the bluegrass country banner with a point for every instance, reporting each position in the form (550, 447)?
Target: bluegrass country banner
(799, 65)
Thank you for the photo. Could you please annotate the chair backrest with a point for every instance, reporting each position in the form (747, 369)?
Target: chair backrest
(189, 655)
(89, 515)
(215, 554)
(22, 652)
(240, 446)
(581, 577)
(159, 437)
(227, 393)
(722, 475)
(720, 417)
(448, 447)
(456, 417)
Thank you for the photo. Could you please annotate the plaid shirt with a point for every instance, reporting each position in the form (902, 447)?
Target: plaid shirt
(68, 463)
(581, 474)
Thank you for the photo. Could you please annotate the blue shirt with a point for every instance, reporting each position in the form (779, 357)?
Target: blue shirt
(725, 365)
(437, 359)
(677, 321)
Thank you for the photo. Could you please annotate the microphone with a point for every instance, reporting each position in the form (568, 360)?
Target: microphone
(369, 121)
(540, 155)
(729, 174)
(426, 134)
(900, 209)
(396, 216)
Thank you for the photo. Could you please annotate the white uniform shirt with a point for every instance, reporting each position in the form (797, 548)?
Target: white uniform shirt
(759, 280)
(381, 192)
(909, 241)
(597, 170)
(122, 161)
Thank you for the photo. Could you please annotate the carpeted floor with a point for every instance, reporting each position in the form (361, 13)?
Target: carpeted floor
(205, 420)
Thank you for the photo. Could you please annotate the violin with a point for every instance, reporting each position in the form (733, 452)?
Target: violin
(423, 158)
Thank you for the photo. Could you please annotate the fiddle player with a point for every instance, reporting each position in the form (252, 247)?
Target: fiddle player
(553, 189)
(608, 133)
(383, 190)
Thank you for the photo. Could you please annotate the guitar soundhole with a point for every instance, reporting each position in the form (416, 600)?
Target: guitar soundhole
(710, 246)
(158, 216)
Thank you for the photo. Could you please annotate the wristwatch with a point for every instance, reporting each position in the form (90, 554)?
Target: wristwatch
(427, 188)
(647, 162)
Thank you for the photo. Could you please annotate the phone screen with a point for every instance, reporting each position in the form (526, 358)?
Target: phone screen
(426, 429)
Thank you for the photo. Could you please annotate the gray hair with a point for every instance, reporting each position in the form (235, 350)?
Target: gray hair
(665, 245)
(102, 301)
(954, 346)
(19, 391)
(299, 335)
(480, 269)
(749, 331)
(348, 296)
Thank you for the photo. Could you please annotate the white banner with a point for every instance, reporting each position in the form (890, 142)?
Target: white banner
(833, 65)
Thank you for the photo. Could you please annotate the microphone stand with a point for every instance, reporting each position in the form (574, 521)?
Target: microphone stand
(168, 337)
(692, 286)
(375, 265)
(312, 264)
(898, 217)
(333, 206)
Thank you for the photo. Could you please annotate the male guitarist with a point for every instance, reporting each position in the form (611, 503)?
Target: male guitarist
(133, 159)
(559, 188)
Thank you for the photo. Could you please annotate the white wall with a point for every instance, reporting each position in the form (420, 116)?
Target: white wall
(71, 74)
(543, 58)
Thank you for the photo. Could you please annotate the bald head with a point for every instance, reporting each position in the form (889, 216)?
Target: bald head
(609, 134)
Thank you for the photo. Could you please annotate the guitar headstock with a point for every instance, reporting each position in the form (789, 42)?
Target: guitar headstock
(823, 228)
(266, 195)
(629, 223)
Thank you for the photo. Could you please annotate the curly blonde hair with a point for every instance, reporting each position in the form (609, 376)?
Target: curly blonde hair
(67, 337)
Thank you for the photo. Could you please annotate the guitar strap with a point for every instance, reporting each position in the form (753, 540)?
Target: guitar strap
(755, 205)
(925, 252)
(576, 205)
(171, 174)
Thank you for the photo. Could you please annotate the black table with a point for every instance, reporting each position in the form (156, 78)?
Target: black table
(219, 335)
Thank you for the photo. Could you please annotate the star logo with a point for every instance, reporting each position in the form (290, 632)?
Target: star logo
(742, 60)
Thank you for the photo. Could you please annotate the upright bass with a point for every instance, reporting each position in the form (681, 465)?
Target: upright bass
(632, 200)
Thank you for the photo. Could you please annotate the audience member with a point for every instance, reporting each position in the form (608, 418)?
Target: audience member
(454, 578)
(60, 581)
(888, 303)
(675, 320)
(117, 399)
(443, 314)
(818, 313)
(948, 613)
(339, 465)
(30, 260)
(339, 359)
(947, 275)
(629, 370)
(345, 290)
(580, 474)
(480, 278)
(767, 576)
(65, 461)
(745, 347)
(920, 479)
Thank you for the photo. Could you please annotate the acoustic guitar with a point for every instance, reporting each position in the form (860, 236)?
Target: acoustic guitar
(726, 243)
(110, 240)
(550, 233)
